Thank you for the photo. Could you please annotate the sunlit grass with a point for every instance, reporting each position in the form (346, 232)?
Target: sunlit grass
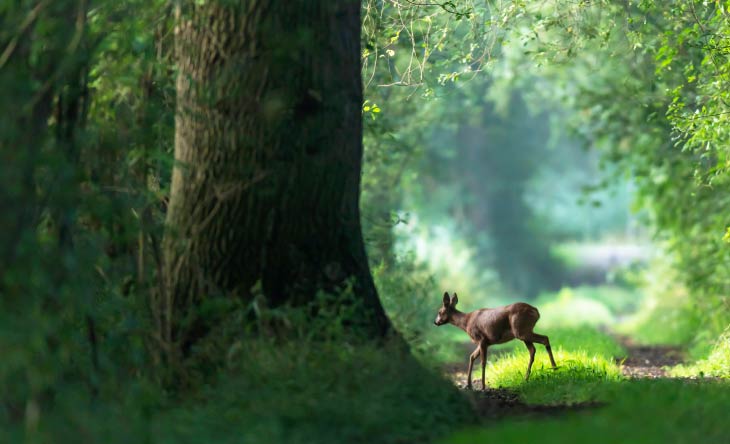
(585, 359)
(585, 339)
(577, 378)
(717, 364)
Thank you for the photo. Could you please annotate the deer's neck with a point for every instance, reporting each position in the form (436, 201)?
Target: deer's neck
(460, 319)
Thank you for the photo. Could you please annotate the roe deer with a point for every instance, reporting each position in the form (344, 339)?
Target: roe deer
(489, 326)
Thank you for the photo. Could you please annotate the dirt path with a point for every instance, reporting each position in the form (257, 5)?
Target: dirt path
(647, 361)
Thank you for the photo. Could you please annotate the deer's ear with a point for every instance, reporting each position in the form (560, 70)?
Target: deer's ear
(454, 300)
(447, 300)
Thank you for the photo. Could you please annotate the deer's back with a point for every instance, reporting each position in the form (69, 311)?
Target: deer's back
(499, 325)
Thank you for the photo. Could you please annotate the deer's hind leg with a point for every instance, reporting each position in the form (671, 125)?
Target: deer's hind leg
(542, 339)
(472, 358)
(522, 330)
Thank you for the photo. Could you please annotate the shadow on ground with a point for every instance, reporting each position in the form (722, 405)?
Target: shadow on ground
(500, 403)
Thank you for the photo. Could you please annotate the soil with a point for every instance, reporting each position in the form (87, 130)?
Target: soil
(495, 403)
(499, 403)
(647, 361)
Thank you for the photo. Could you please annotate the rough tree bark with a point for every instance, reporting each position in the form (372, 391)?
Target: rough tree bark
(268, 150)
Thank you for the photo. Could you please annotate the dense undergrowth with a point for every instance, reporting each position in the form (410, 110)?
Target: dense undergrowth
(296, 392)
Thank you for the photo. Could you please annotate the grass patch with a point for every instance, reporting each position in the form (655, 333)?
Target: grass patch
(717, 364)
(578, 378)
(641, 411)
(585, 359)
(585, 339)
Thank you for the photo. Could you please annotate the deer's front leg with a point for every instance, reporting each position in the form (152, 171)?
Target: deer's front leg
(472, 358)
(483, 353)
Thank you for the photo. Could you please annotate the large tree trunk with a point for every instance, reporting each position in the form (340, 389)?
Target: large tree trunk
(268, 150)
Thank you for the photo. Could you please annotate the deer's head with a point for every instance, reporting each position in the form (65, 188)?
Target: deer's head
(447, 309)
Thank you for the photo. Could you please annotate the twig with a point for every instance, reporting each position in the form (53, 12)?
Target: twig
(29, 19)
(447, 6)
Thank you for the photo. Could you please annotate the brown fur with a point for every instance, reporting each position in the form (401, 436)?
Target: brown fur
(490, 326)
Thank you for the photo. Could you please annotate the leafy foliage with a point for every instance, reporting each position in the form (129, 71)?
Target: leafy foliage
(647, 85)
(86, 155)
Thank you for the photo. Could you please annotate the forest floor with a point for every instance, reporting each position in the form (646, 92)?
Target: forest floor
(647, 361)
(640, 362)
